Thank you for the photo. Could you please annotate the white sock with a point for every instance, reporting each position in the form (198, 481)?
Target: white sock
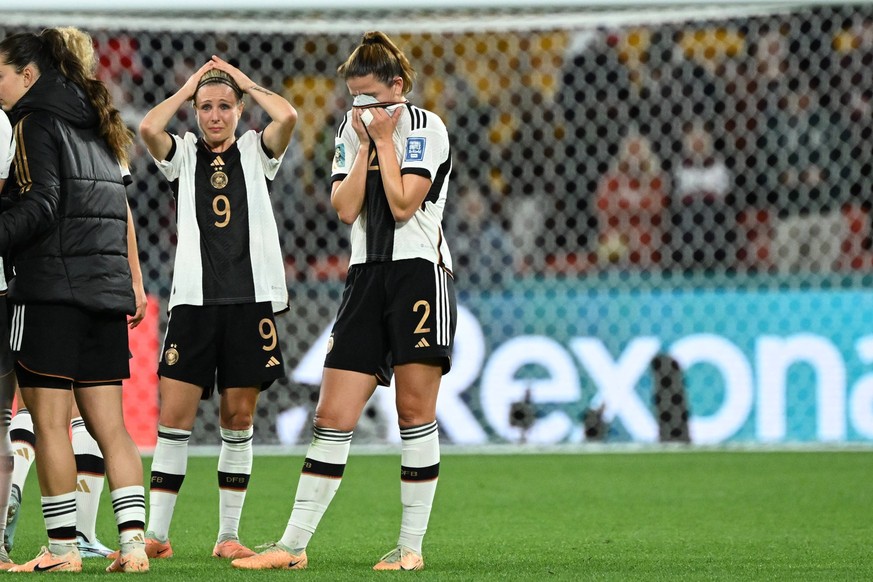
(234, 470)
(91, 471)
(319, 481)
(169, 465)
(128, 503)
(6, 463)
(23, 451)
(59, 512)
(419, 471)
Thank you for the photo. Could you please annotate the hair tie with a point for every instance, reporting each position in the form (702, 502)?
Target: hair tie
(216, 76)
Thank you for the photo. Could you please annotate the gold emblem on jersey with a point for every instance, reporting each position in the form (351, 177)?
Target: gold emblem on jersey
(171, 356)
(218, 180)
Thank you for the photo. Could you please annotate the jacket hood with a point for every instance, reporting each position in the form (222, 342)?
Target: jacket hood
(59, 96)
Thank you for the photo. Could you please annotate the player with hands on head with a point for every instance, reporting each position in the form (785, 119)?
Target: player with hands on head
(228, 282)
(390, 178)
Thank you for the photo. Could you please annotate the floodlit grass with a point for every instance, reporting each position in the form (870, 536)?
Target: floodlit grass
(630, 516)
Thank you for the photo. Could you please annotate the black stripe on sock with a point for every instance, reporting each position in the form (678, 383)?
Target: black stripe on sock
(329, 434)
(90, 464)
(22, 435)
(415, 432)
(322, 469)
(419, 473)
(127, 525)
(128, 502)
(171, 436)
(57, 508)
(62, 533)
(234, 481)
(166, 482)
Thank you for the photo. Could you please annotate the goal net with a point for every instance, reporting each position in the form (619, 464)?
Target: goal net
(685, 179)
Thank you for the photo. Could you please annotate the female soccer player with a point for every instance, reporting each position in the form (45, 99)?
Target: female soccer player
(229, 280)
(89, 460)
(7, 372)
(390, 178)
(68, 235)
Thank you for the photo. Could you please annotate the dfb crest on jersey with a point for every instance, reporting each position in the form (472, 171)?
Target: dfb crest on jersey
(415, 149)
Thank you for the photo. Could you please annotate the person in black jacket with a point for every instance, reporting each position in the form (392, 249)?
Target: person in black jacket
(7, 372)
(90, 465)
(67, 235)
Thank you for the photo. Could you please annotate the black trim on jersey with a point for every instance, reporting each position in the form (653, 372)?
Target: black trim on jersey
(441, 176)
(267, 150)
(379, 218)
(342, 126)
(433, 194)
(172, 151)
(417, 116)
(423, 172)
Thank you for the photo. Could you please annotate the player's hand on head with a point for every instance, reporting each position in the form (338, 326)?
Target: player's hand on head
(190, 86)
(238, 76)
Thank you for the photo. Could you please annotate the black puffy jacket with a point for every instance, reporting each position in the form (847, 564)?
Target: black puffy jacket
(66, 229)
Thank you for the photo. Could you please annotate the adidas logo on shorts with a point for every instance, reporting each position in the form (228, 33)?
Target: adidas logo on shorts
(272, 362)
(422, 343)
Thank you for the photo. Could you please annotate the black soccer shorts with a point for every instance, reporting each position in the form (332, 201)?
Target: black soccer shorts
(234, 346)
(393, 313)
(61, 346)
(6, 361)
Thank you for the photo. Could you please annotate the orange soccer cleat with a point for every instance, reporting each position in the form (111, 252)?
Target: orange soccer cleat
(400, 558)
(231, 549)
(133, 561)
(49, 562)
(274, 557)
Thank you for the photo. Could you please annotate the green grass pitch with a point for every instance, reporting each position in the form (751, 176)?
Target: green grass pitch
(693, 515)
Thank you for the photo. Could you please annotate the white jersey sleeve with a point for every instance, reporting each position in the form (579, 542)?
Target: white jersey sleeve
(172, 167)
(7, 146)
(269, 165)
(345, 149)
(426, 149)
(7, 151)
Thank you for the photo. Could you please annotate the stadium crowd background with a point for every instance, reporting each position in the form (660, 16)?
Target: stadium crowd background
(690, 152)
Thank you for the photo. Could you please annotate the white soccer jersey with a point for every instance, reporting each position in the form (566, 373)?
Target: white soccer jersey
(228, 244)
(421, 144)
(7, 151)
